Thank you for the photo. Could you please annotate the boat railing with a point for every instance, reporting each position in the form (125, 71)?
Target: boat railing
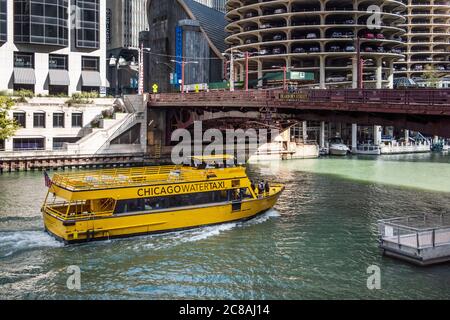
(417, 232)
(91, 180)
(66, 210)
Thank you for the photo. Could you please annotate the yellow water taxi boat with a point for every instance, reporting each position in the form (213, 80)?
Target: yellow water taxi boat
(106, 204)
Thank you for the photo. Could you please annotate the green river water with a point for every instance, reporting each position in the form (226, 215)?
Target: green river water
(316, 244)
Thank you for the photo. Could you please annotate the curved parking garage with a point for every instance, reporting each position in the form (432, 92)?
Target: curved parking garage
(318, 36)
(427, 40)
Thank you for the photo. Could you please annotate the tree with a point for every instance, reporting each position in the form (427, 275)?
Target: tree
(7, 126)
(432, 76)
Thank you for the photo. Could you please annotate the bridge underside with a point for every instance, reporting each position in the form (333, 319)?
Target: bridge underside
(426, 111)
(280, 118)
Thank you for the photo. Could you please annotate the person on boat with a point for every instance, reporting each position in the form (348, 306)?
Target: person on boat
(267, 188)
(261, 188)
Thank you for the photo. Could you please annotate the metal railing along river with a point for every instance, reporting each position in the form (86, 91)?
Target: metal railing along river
(423, 238)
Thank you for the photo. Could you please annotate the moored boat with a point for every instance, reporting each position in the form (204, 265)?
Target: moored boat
(337, 147)
(105, 204)
(367, 149)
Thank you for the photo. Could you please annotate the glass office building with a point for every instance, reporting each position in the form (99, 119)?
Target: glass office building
(88, 24)
(41, 22)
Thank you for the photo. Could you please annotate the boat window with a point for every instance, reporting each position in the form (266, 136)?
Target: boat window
(149, 204)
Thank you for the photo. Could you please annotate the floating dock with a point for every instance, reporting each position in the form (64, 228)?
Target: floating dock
(423, 240)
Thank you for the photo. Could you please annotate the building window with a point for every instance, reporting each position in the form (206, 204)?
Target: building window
(131, 136)
(90, 64)
(20, 118)
(39, 120)
(41, 22)
(58, 120)
(3, 21)
(28, 144)
(58, 143)
(58, 62)
(77, 120)
(88, 24)
(23, 60)
(2, 145)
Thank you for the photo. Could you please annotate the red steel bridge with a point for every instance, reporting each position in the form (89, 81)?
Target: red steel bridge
(424, 110)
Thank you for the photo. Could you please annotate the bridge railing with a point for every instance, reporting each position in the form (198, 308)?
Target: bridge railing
(379, 96)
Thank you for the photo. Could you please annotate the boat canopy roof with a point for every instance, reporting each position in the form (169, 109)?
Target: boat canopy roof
(141, 176)
(219, 157)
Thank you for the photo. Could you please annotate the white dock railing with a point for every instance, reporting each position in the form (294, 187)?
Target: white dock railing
(398, 148)
(418, 232)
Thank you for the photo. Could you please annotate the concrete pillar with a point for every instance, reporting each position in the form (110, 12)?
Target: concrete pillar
(379, 73)
(260, 74)
(406, 136)
(377, 135)
(241, 73)
(435, 139)
(49, 144)
(322, 134)
(305, 131)
(322, 77)
(339, 129)
(9, 145)
(354, 136)
(355, 73)
(391, 75)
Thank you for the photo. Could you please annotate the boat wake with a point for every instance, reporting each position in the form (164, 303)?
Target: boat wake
(165, 241)
(18, 241)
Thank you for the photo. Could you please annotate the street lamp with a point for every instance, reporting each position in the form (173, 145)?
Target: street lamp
(245, 55)
(183, 64)
(141, 51)
(117, 63)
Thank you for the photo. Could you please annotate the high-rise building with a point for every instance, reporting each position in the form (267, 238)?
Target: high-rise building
(219, 5)
(125, 19)
(427, 41)
(3, 21)
(319, 37)
(53, 46)
(183, 30)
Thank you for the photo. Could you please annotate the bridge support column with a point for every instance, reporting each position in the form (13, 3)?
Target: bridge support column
(377, 135)
(322, 134)
(407, 136)
(379, 73)
(435, 139)
(322, 73)
(339, 129)
(354, 136)
(305, 131)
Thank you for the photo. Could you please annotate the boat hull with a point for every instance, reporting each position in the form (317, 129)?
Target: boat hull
(127, 225)
(338, 152)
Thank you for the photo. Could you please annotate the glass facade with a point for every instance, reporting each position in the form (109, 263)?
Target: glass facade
(88, 24)
(3, 21)
(41, 22)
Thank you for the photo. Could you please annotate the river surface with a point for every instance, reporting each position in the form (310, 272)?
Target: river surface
(316, 244)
